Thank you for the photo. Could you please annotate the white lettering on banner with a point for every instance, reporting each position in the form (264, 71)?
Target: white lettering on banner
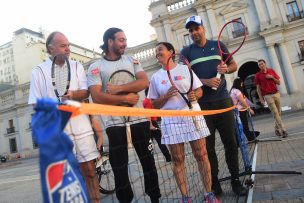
(71, 193)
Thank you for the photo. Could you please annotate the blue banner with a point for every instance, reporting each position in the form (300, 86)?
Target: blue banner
(61, 179)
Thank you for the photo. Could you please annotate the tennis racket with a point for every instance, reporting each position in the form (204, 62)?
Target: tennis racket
(239, 30)
(121, 77)
(183, 86)
(61, 75)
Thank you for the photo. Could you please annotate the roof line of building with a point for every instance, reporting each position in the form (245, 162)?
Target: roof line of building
(29, 31)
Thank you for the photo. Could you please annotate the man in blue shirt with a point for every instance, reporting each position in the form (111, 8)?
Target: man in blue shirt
(204, 57)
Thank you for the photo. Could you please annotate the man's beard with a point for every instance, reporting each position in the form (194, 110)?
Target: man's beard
(119, 52)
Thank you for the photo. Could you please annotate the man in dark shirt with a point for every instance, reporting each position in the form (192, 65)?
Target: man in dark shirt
(266, 81)
(205, 59)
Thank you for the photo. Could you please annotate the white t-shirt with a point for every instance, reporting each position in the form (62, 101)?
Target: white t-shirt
(160, 84)
(41, 86)
(234, 94)
(177, 129)
(99, 74)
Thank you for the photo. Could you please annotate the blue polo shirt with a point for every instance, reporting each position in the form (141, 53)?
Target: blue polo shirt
(204, 62)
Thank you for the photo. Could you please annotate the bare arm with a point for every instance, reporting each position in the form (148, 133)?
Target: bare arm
(243, 102)
(77, 95)
(141, 83)
(100, 97)
(232, 67)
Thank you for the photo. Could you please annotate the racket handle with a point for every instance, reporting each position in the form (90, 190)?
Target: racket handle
(217, 76)
(129, 138)
(196, 119)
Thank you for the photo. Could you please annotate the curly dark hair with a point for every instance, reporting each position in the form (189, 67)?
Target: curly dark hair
(109, 34)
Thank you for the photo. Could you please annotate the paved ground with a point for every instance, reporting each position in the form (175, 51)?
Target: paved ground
(20, 182)
(286, 155)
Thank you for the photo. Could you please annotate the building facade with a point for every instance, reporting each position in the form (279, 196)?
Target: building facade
(275, 33)
(15, 122)
(26, 50)
(17, 58)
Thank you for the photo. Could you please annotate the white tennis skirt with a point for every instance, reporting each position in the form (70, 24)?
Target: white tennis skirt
(183, 129)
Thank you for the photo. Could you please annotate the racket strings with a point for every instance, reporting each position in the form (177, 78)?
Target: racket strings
(61, 79)
(121, 78)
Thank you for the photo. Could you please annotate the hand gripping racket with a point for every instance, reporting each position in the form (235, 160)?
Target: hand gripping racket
(61, 75)
(121, 77)
(239, 30)
(183, 82)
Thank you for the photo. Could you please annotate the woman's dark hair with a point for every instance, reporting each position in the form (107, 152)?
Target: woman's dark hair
(168, 45)
(262, 60)
(237, 84)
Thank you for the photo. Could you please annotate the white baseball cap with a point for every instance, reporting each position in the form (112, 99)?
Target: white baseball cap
(193, 19)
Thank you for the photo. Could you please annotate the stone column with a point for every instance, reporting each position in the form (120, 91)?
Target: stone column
(261, 15)
(212, 22)
(291, 79)
(161, 35)
(301, 7)
(283, 12)
(275, 65)
(202, 14)
(168, 31)
(272, 14)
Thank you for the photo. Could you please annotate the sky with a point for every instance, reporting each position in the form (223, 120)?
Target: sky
(83, 22)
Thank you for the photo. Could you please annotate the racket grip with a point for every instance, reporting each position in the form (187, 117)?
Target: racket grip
(129, 138)
(217, 76)
(196, 119)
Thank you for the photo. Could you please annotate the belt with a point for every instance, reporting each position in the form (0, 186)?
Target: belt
(272, 93)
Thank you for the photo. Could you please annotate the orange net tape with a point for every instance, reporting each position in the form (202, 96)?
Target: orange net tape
(101, 109)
